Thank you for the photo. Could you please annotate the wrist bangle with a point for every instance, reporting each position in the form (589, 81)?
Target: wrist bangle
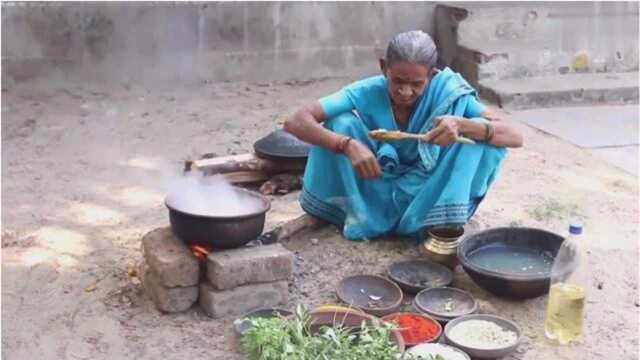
(342, 144)
(487, 132)
(492, 131)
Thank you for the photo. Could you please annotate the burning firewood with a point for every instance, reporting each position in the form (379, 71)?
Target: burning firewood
(200, 252)
(282, 184)
(290, 228)
(245, 163)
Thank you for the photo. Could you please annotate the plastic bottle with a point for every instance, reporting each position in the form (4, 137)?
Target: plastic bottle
(567, 293)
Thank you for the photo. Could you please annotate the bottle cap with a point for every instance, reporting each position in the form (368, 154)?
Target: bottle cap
(575, 228)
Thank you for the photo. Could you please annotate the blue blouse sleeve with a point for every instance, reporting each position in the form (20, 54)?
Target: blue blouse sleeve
(336, 104)
(474, 109)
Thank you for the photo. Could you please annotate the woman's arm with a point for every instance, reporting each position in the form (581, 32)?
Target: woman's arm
(448, 127)
(505, 133)
(305, 125)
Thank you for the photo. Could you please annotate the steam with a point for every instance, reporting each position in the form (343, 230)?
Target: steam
(196, 194)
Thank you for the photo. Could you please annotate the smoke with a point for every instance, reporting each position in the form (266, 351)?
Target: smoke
(196, 194)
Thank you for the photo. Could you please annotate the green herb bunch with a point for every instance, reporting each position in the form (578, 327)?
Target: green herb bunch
(291, 339)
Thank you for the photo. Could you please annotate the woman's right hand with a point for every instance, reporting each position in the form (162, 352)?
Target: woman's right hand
(362, 159)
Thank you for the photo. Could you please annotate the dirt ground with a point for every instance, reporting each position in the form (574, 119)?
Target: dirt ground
(84, 174)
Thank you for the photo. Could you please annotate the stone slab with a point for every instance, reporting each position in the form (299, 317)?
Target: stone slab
(587, 126)
(625, 157)
(170, 259)
(238, 301)
(231, 268)
(562, 90)
(170, 300)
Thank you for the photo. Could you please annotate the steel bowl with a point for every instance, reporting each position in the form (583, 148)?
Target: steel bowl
(478, 353)
(219, 232)
(432, 349)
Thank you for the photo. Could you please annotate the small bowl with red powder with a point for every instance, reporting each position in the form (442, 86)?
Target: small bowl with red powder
(415, 328)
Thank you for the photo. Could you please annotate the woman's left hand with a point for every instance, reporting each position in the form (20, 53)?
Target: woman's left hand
(444, 132)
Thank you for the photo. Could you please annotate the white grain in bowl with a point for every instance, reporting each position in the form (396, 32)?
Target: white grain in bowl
(423, 351)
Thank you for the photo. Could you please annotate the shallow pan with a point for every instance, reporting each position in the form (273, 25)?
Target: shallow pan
(415, 275)
(371, 293)
(446, 303)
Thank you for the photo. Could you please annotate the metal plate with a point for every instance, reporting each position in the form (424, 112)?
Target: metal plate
(281, 145)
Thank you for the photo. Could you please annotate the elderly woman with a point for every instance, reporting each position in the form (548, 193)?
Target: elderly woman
(372, 188)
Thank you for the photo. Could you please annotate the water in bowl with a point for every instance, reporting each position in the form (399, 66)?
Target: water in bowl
(513, 260)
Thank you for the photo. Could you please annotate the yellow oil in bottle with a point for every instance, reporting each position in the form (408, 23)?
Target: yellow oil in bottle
(565, 312)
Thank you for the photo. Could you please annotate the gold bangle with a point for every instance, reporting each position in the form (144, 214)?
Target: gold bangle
(491, 132)
(486, 132)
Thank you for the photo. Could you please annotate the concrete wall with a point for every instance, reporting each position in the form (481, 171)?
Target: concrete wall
(512, 40)
(168, 42)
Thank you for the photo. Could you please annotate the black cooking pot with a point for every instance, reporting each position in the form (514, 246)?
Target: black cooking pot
(219, 232)
(509, 285)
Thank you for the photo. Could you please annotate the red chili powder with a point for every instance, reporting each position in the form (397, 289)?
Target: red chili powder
(415, 328)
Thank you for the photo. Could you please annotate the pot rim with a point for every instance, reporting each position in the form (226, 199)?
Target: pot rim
(265, 202)
(466, 263)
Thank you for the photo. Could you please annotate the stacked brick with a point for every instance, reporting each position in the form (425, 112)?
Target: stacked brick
(171, 273)
(244, 279)
(232, 282)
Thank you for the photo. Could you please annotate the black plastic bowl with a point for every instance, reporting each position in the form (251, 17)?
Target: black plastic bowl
(510, 285)
(219, 232)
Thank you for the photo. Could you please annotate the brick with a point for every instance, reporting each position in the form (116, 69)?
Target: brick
(219, 303)
(231, 268)
(166, 299)
(170, 259)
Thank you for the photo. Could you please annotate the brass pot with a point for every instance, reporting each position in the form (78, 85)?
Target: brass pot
(441, 245)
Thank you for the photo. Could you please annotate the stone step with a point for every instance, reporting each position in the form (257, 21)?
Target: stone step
(561, 90)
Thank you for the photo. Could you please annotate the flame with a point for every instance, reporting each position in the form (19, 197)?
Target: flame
(200, 251)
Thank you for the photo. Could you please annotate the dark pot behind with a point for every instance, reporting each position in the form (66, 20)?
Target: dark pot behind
(515, 286)
(219, 232)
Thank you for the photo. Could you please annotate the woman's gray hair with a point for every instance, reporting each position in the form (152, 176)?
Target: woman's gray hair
(415, 47)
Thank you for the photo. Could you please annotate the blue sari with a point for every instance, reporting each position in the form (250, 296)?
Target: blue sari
(422, 184)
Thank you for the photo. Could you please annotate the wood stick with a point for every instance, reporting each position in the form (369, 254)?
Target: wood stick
(282, 184)
(245, 177)
(290, 228)
(246, 162)
(386, 135)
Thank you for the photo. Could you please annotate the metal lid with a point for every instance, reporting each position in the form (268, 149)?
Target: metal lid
(281, 144)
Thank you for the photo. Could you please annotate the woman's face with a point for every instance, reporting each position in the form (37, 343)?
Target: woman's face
(406, 81)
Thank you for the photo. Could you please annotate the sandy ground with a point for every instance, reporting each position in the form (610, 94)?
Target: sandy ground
(84, 173)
